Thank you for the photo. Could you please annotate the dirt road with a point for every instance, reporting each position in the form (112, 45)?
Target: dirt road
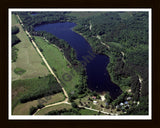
(49, 68)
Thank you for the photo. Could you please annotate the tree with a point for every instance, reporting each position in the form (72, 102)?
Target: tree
(33, 110)
(74, 105)
(108, 97)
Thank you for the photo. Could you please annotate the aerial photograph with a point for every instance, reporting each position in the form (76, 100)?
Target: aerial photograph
(83, 63)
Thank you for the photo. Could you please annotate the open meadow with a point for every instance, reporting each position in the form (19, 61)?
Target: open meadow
(27, 58)
(59, 64)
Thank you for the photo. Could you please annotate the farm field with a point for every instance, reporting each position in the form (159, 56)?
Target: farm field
(14, 19)
(24, 108)
(32, 89)
(58, 63)
(27, 59)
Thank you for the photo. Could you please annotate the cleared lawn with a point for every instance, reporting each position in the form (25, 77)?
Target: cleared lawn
(56, 60)
(57, 107)
(14, 19)
(24, 109)
(27, 59)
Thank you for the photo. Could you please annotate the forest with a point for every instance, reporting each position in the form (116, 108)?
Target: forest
(127, 46)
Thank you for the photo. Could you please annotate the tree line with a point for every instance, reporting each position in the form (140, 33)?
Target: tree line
(15, 39)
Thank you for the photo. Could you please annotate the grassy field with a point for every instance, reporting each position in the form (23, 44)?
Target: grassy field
(57, 107)
(14, 19)
(24, 109)
(35, 87)
(56, 60)
(27, 59)
(19, 71)
(87, 112)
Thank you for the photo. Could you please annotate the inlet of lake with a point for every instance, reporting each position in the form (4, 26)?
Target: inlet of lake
(98, 77)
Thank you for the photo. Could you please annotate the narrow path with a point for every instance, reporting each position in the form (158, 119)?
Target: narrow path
(50, 105)
(90, 27)
(98, 37)
(140, 81)
(96, 110)
(123, 57)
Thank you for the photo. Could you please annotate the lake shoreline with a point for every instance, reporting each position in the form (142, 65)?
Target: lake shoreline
(99, 79)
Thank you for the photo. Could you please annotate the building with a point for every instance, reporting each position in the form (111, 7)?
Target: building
(126, 102)
(129, 98)
(121, 104)
(94, 97)
(94, 102)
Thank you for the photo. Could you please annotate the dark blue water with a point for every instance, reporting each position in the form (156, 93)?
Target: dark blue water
(98, 77)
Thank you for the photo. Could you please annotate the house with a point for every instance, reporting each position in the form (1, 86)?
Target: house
(94, 102)
(121, 104)
(134, 102)
(127, 106)
(129, 98)
(126, 102)
(117, 106)
(94, 97)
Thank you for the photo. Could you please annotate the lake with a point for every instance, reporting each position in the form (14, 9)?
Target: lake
(98, 77)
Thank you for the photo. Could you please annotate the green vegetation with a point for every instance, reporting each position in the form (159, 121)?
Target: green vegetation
(14, 53)
(73, 111)
(83, 14)
(25, 56)
(15, 30)
(62, 68)
(24, 108)
(30, 21)
(15, 39)
(14, 19)
(108, 97)
(34, 109)
(125, 15)
(32, 89)
(88, 112)
(125, 36)
(19, 71)
(45, 111)
(141, 109)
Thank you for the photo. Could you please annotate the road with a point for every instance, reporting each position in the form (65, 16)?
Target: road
(50, 105)
(98, 37)
(49, 68)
